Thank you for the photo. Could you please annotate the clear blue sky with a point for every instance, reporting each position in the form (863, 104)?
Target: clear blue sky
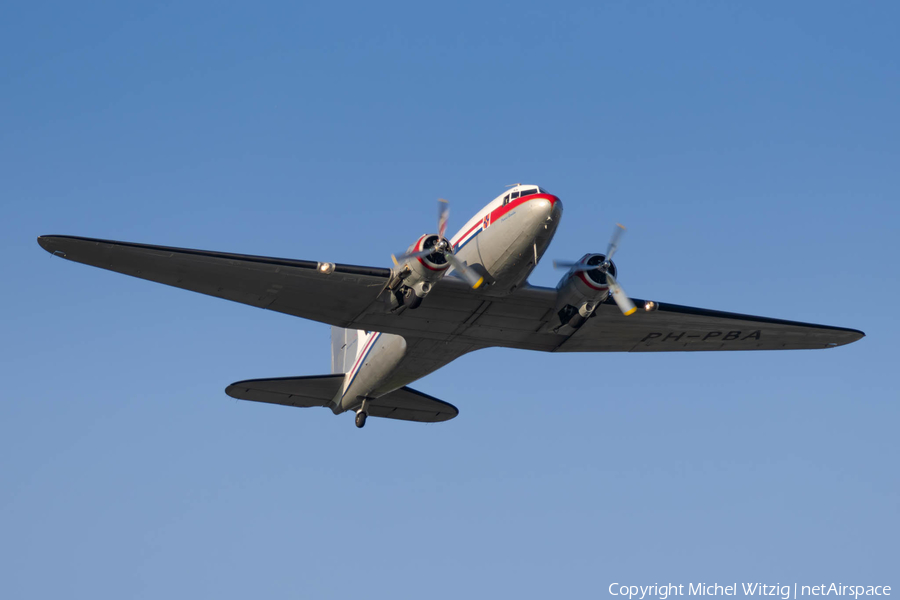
(752, 149)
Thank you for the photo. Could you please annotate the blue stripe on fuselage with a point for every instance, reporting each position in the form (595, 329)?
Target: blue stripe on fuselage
(472, 237)
(362, 361)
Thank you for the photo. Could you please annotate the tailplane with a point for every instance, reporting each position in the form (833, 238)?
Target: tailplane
(405, 404)
(324, 390)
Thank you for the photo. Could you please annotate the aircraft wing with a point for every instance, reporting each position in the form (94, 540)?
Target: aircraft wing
(525, 319)
(672, 327)
(452, 312)
(295, 287)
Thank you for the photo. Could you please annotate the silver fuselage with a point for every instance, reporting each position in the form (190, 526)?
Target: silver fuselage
(504, 240)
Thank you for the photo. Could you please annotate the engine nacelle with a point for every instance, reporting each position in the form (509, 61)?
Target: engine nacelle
(415, 277)
(580, 292)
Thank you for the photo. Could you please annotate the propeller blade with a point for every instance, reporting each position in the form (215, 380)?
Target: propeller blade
(569, 264)
(618, 294)
(564, 264)
(398, 258)
(588, 268)
(614, 241)
(443, 216)
(469, 274)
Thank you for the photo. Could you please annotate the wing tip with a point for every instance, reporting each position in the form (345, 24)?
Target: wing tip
(232, 390)
(853, 335)
(52, 244)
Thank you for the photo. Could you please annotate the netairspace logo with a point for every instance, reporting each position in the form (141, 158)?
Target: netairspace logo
(785, 592)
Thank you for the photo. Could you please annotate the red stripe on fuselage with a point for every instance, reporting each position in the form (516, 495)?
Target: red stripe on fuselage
(471, 229)
(502, 210)
(499, 212)
(361, 355)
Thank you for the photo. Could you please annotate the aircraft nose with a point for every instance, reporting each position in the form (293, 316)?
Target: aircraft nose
(550, 207)
(544, 213)
(556, 206)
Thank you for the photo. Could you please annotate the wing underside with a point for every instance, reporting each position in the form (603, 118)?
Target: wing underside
(295, 287)
(673, 328)
(348, 296)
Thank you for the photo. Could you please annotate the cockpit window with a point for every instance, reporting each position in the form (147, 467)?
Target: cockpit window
(521, 193)
(542, 191)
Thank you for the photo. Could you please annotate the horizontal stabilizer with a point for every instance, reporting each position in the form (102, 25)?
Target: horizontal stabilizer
(408, 404)
(302, 392)
(405, 404)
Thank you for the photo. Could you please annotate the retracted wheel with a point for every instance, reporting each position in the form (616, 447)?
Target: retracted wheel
(410, 299)
(361, 419)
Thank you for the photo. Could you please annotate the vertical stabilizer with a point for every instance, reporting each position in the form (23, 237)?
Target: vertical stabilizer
(344, 347)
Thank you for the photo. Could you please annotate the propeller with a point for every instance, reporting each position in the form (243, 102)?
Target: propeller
(443, 216)
(618, 294)
(443, 247)
(467, 272)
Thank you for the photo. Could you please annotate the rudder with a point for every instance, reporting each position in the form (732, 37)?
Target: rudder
(344, 348)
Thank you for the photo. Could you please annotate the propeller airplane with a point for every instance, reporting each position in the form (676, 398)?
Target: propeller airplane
(444, 298)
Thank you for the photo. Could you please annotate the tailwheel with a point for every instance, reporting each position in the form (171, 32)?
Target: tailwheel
(361, 418)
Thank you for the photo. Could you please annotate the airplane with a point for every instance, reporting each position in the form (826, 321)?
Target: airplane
(444, 298)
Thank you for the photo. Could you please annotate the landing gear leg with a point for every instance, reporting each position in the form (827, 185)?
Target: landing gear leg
(361, 414)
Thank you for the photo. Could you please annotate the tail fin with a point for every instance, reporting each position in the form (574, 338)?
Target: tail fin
(344, 346)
